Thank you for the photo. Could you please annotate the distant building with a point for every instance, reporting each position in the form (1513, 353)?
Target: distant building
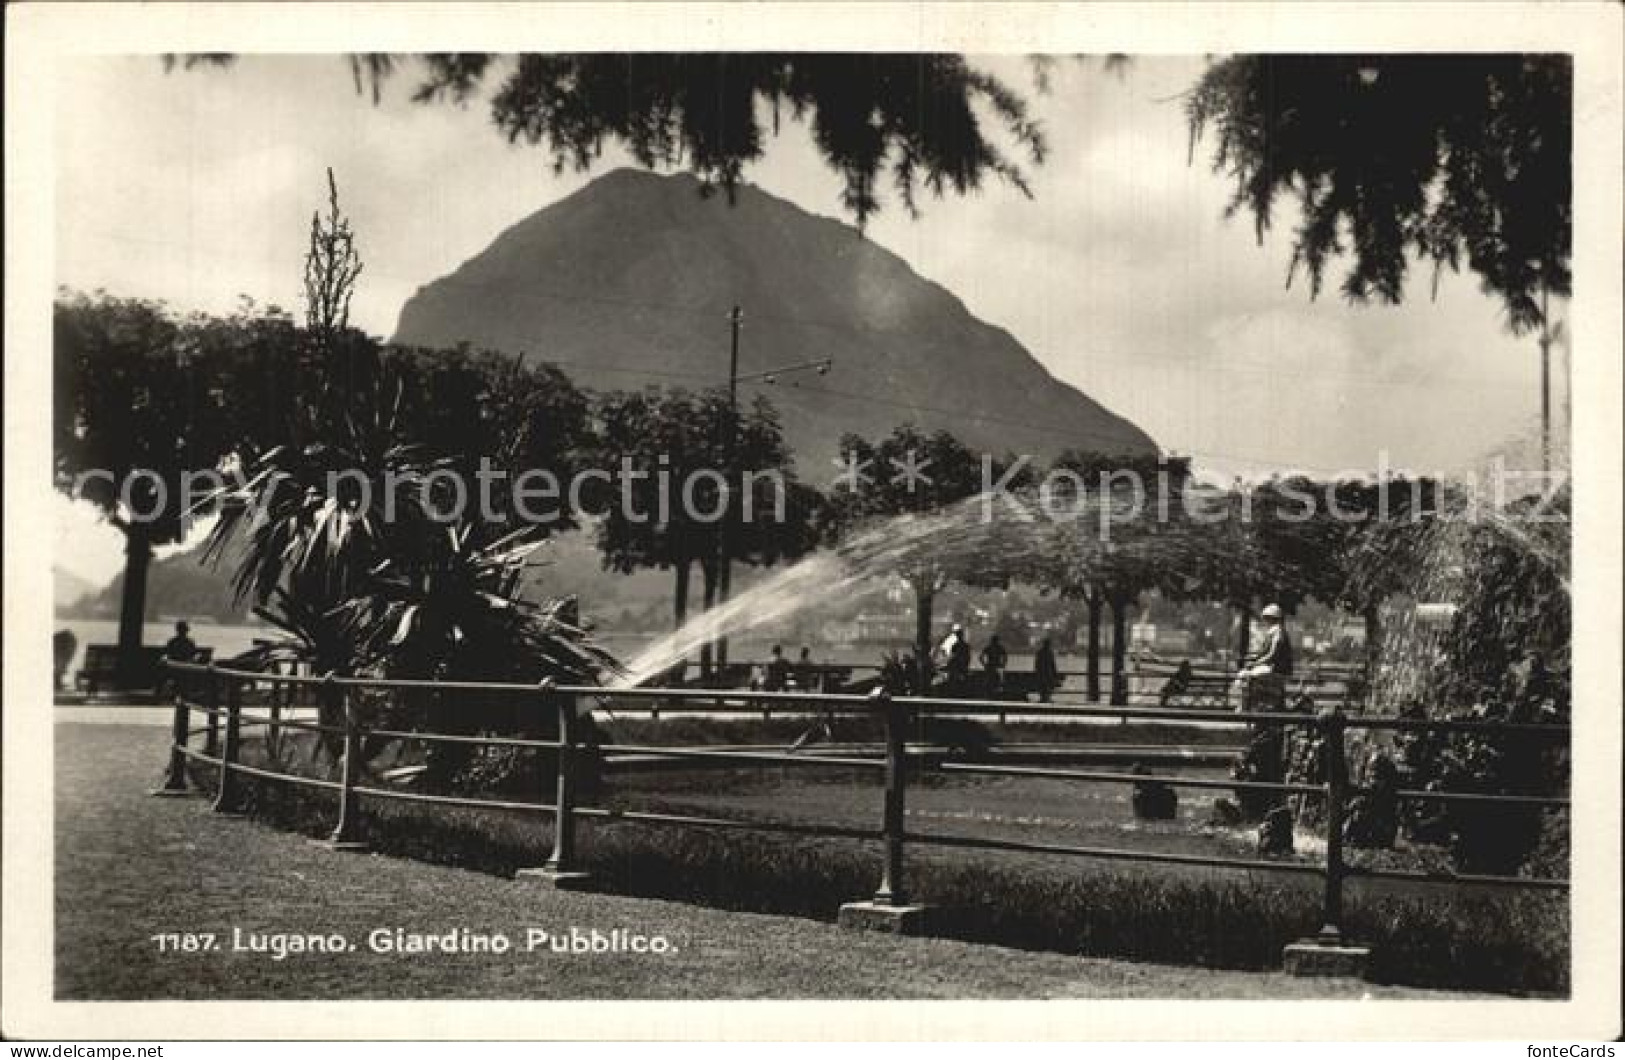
(839, 631)
(1160, 640)
(884, 627)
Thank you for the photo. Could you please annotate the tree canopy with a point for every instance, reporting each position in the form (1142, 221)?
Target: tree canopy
(670, 449)
(1445, 159)
(918, 119)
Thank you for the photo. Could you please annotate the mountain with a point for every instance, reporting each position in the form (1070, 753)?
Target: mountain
(629, 282)
(177, 585)
(182, 586)
(68, 588)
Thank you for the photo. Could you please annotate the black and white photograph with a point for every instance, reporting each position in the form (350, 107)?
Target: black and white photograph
(708, 503)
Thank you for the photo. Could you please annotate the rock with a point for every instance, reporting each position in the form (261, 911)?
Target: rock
(1153, 800)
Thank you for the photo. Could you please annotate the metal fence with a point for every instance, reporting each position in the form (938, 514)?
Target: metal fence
(218, 693)
(1143, 683)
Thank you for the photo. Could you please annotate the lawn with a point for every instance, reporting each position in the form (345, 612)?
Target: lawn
(129, 867)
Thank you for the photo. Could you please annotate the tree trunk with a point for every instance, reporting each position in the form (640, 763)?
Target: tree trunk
(724, 581)
(710, 657)
(924, 601)
(1373, 652)
(1092, 654)
(133, 606)
(1244, 632)
(681, 594)
(1119, 651)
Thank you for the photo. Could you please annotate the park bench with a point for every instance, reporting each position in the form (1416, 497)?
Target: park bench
(1198, 692)
(99, 672)
(827, 678)
(1018, 685)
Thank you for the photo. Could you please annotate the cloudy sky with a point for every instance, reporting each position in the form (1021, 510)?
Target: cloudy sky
(1121, 274)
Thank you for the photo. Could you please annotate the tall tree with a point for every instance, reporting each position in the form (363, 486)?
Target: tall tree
(669, 449)
(1115, 543)
(1383, 551)
(141, 402)
(370, 558)
(908, 473)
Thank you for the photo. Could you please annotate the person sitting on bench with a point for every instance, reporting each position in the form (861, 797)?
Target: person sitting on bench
(1264, 674)
(181, 647)
(777, 675)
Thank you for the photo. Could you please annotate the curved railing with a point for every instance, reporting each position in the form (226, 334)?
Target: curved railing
(221, 701)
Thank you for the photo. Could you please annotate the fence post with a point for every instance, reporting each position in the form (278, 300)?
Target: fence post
(175, 777)
(211, 735)
(279, 693)
(1329, 953)
(1336, 765)
(226, 800)
(559, 870)
(347, 833)
(889, 909)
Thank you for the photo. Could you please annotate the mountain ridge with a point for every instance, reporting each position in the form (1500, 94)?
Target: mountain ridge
(628, 282)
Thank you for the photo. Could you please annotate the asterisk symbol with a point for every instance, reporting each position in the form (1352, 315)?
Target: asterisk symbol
(854, 471)
(911, 470)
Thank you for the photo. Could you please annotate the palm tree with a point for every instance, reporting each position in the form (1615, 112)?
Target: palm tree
(350, 547)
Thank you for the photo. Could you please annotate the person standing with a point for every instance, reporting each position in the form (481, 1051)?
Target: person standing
(994, 659)
(955, 656)
(806, 672)
(777, 675)
(1047, 674)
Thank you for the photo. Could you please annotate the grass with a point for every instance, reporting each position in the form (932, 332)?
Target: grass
(128, 867)
(1432, 936)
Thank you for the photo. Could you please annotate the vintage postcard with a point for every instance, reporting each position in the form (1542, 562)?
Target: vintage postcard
(1064, 509)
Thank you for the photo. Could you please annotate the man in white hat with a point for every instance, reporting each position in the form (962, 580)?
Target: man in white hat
(1265, 672)
(954, 657)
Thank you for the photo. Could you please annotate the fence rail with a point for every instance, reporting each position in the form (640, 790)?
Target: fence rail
(217, 693)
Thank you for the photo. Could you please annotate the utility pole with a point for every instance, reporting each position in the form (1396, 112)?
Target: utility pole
(770, 376)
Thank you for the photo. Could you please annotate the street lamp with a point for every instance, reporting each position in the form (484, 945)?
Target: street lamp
(770, 376)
